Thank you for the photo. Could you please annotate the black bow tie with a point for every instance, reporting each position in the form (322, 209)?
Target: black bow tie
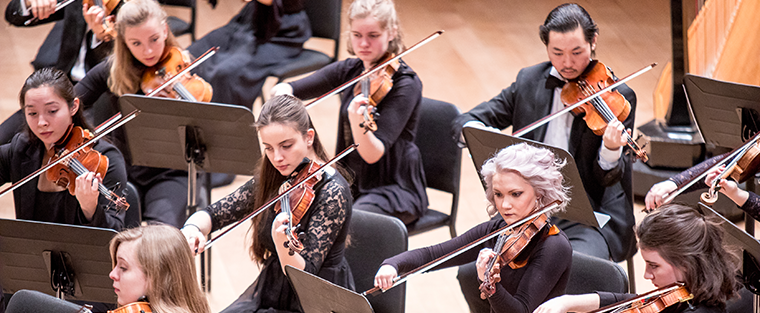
(554, 82)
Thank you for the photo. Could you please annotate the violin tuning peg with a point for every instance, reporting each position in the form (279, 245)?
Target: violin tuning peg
(291, 253)
(286, 244)
(301, 236)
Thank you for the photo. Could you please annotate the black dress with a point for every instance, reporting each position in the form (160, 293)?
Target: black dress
(521, 290)
(21, 157)
(326, 227)
(608, 298)
(163, 192)
(255, 41)
(396, 182)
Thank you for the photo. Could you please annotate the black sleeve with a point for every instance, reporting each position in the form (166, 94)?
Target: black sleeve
(6, 155)
(13, 15)
(323, 228)
(612, 176)
(116, 175)
(545, 268)
(397, 108)
(607, 298)
(93, 85)
(496, 112)
(694, 171)
(323, 80)
(231, 208)
(409, 260)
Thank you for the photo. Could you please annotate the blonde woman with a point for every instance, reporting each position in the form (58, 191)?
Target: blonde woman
(155, 263)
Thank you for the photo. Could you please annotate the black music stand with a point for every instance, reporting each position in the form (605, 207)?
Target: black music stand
(749, 245)
(65, 261)
(483, 144)
(726, 115)
(186, 135)
(320, 296)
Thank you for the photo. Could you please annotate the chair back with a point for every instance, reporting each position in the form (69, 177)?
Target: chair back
(374, 238)
(324, 17)
(589, 274)
(133, 216)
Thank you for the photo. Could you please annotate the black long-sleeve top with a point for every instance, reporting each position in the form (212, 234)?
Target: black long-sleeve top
(22, 157)
(398, 176)
(521, 290)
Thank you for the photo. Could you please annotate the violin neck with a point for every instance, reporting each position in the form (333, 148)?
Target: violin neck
(79, 169)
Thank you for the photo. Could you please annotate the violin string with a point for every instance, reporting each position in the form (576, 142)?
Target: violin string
(80, 169)
(604, 110)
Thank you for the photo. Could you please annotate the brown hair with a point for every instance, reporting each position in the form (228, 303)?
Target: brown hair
(384, 12)
(126, 70)
(168, 265)
(56, 79)
(287, 110)
(694, 244)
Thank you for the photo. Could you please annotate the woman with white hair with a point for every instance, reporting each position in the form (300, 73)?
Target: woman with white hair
(520, 180)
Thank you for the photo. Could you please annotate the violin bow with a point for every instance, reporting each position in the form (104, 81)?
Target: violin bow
(548, 118)
(426, 267)
(187, 69)
(283, 194)
(374, 69)
(734, 155)
(57, 7)
(36, 173)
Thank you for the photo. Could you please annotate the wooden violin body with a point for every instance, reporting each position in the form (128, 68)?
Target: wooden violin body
(652, 302)
(134, 307)
(508, 247)
(189, 87)
(110, 7)
(297, 203)
(741, 168)
(64, 174)
(601, 110)
(375, 88)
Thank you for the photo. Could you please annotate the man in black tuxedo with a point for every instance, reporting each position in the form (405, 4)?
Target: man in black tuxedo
(570, 37)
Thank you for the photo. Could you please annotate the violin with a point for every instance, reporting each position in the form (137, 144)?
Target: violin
(298, 202)
(284, 194)
(736, 154)
(375, 87)
(741, 168)
(432, 264)
(110, 8)
(134, 307)
(652, 302)
(86, 160)
(600, 110)
(187, 87)
(509, 245)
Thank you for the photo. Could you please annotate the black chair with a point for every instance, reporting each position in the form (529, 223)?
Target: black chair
(589, 274)
(178, 26)
(324, 17)
(28, 301)
(442, 161)
(374, 238)
(133, 217)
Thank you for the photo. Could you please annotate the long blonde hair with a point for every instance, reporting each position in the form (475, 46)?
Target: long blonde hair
(169, 267)
(126, 70)
(384, 11)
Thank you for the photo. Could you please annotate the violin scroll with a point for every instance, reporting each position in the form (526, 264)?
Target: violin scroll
(134, 307)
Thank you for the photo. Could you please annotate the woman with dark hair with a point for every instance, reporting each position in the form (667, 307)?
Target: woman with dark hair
(680, 245)
(51, 110)
(290, 143)
(388, 166)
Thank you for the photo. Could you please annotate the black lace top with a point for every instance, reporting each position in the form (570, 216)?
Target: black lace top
(325, 227)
